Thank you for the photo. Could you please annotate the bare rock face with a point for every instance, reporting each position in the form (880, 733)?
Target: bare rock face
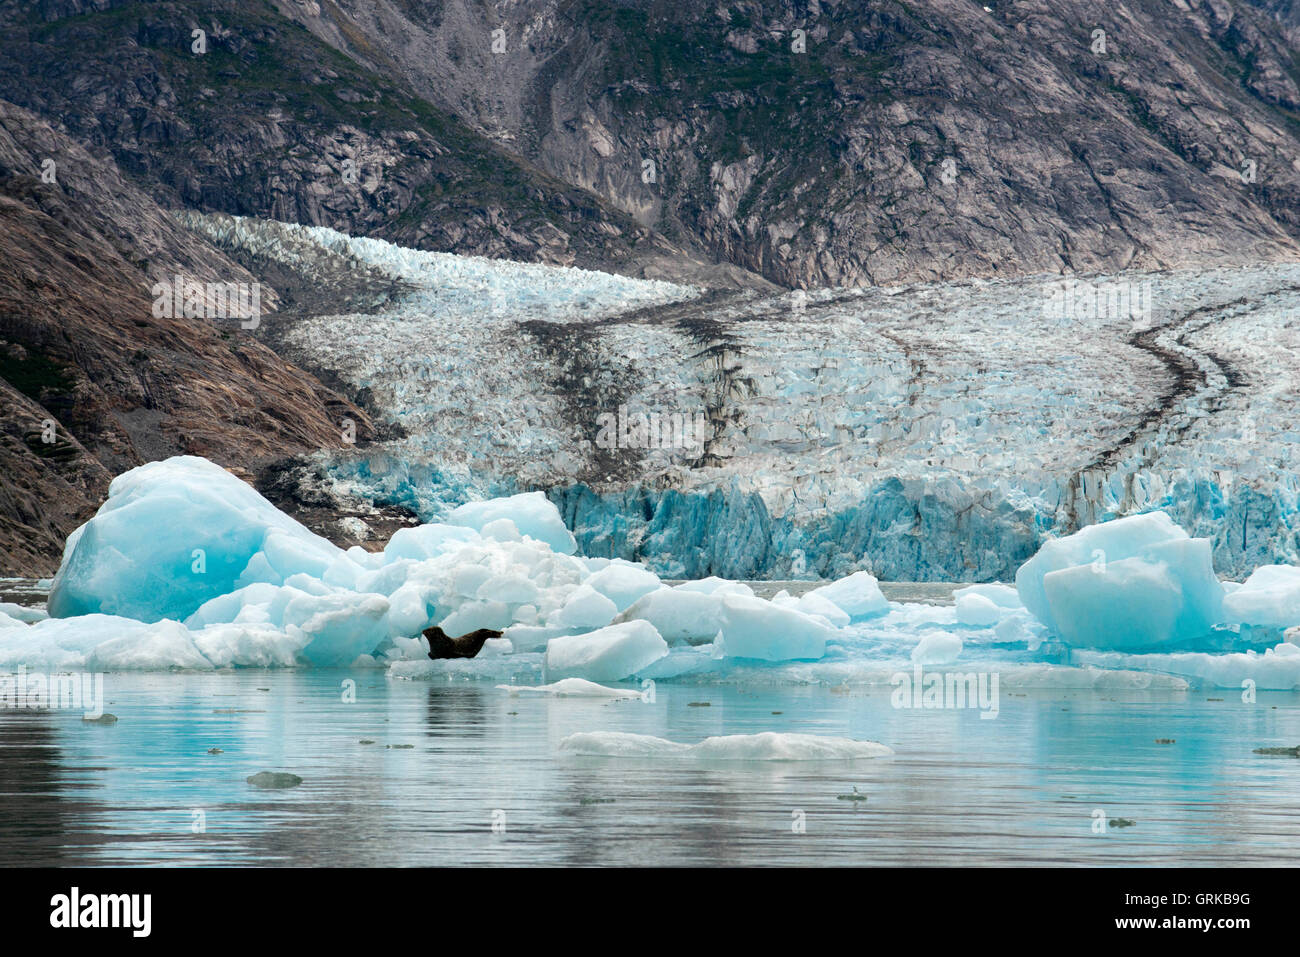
(270, 121)
(93, 382)
(822, 143)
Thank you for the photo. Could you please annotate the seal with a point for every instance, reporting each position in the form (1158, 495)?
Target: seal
(442, 645)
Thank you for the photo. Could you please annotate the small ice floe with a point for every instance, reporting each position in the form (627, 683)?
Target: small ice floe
(767, 746)
(571, 688)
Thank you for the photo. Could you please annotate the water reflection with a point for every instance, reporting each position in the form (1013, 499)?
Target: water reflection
(411, 773)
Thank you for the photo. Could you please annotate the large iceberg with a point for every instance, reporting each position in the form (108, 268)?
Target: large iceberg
(173, 535)
(1134, 582)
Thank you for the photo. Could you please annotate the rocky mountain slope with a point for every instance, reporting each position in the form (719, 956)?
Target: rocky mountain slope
(876, 141)
(91, 381)
(268, 120)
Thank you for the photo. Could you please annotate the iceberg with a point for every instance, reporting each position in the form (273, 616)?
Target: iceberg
(623, 583)
(572, 688)
(585, 608)
(755, 628)
(530, 512)
(608, 654)
(1133, 582)
(175, 534)
(1270, 598)
(858, 595)
(983, 606)
(679, 615)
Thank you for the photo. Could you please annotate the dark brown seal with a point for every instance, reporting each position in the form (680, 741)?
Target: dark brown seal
(442, 645)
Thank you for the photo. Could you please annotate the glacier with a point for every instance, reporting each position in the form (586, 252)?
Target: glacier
(928, 432)
(187, 567)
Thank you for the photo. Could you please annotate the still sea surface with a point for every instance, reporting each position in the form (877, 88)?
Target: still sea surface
(398, 772)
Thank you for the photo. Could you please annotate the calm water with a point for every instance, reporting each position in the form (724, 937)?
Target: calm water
(1019, 789)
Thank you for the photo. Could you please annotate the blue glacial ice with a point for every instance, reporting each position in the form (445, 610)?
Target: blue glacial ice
(1138, 581)
(187, 567)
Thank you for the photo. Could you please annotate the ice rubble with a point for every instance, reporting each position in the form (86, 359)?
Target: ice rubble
(187, 567)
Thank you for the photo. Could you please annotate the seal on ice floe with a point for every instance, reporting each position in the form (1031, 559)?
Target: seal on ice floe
(442, 645)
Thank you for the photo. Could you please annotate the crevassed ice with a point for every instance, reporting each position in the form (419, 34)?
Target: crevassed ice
(927, 432)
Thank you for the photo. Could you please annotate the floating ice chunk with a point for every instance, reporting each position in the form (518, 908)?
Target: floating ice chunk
(101, 643)
(678, 615)
(260, 603)
(858, 595)
(714, 585)
(20, 614)
(162, 646)
(620, 744)
(585, 608)
(984, 606)
(427, 541)
(1278, 669)
(767, 746)
(1134, 582)
(1003, 596)
(1097, 546)
(685, 660)
(340, 627)
(571, 688)
(774, 746)
(822, 607)
(410, 611)
(250, 646)
(513, 589)
(1129, 603)
(531, 512)
(937, 648)
(609, 654)
(525, 638)
(755, 628)
(173, 534)
(474, 615)
(978, 611)
(1270, 597)
(623, 583)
